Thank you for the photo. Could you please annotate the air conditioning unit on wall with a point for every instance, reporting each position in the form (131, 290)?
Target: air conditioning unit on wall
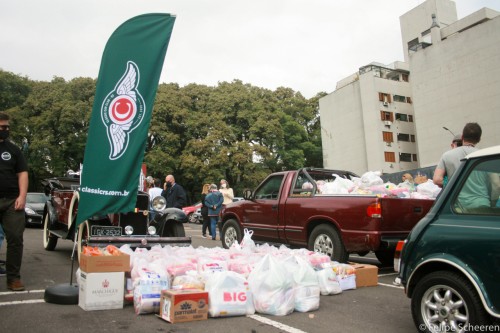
(385, 104)
(387, 123)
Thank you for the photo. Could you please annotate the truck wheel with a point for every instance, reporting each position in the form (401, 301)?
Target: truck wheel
(230, 233)
(49, 240)
(325, 239)
(174, 229)
(445, 301)
(386, 257)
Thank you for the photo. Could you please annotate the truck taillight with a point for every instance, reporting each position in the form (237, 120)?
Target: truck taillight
(397, 255)
(374, 210)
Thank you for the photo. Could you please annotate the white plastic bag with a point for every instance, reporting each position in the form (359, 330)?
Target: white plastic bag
(328, 282)
(272, 288)
(229, 295)
(371, 178)
(306, 288)
(147, 292)
(429, 189)
(247, 242)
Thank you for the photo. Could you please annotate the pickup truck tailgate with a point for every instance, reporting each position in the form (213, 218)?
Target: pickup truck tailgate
(402, 214)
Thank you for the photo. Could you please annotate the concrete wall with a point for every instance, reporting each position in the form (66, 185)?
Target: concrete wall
(455, 81)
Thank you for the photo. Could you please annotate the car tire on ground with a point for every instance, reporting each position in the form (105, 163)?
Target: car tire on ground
(446, 298)
(325, 239)
(49, 240)
(230, 233)
(83, 235)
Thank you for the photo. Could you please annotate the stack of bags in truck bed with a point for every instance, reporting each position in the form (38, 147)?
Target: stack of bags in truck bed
(372, 183)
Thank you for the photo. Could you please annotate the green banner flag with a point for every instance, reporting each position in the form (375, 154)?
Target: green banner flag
(126, 87)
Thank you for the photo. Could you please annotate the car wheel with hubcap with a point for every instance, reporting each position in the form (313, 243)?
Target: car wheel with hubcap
(325, 239)
(230, 233)
(445, 301)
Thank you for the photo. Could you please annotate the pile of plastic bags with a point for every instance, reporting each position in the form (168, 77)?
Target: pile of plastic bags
(240, 281)
(371, 183)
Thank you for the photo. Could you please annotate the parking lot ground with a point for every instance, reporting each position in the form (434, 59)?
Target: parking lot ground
(383, 308)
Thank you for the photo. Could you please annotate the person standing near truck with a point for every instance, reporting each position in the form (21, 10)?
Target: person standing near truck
(226, 191)
(450, 160)
(13, 190)
(214, 201)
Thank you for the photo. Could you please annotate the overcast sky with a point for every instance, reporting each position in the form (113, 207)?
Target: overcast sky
(306, 45)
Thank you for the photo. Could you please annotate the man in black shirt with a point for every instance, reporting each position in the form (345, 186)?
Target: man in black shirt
(13, 189)
(173, 193)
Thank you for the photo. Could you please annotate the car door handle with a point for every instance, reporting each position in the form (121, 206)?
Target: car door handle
(417, 209)
(274, 207)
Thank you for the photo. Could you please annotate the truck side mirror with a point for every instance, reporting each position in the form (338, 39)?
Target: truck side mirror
(247, 195)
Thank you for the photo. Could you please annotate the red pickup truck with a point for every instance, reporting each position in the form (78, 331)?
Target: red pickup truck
(282, 210)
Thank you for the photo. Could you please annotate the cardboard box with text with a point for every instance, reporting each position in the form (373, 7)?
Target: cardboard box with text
(178, 306)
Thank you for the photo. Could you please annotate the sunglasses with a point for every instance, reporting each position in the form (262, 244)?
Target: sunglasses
(4, 127)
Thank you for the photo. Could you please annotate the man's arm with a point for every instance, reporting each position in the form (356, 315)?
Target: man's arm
(22, 179)
(439, 176)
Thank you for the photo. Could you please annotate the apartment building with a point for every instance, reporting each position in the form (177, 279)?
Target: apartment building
(392, 117)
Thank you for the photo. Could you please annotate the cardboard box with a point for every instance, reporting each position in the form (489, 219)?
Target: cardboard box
(177, 306)
(101, 291)
(366, 275)
(95, 264)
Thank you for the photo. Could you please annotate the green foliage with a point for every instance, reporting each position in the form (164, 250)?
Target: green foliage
(198, 133)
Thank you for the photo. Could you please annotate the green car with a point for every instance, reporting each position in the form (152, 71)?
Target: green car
(450, 263)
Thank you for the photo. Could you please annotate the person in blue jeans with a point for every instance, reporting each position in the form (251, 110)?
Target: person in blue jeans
(214, 201)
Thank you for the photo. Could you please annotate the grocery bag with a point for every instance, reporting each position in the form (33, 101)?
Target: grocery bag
(272, 288)
(247, 242)
(229, 295)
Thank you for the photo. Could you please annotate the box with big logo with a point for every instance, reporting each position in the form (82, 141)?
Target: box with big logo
(101, 291)
(177, 306)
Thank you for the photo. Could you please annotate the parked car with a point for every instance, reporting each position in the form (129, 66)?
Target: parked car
(283, 210)
(190, 210)
(450, 263)
(133, 228)
(33, 210)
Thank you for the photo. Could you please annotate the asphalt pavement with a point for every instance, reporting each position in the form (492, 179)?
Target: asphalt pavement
(383, 308)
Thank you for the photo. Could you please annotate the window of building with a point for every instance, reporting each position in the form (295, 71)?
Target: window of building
(403, 137)
(413, 42)
(412, 138)
(383, 97)
(408, 100)
(414, 157)
(389, 156)
(387, 137)
(404, 157)
(405, 77)
(410, 118)
(386, 116)
(399, 98)
(401, 116)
